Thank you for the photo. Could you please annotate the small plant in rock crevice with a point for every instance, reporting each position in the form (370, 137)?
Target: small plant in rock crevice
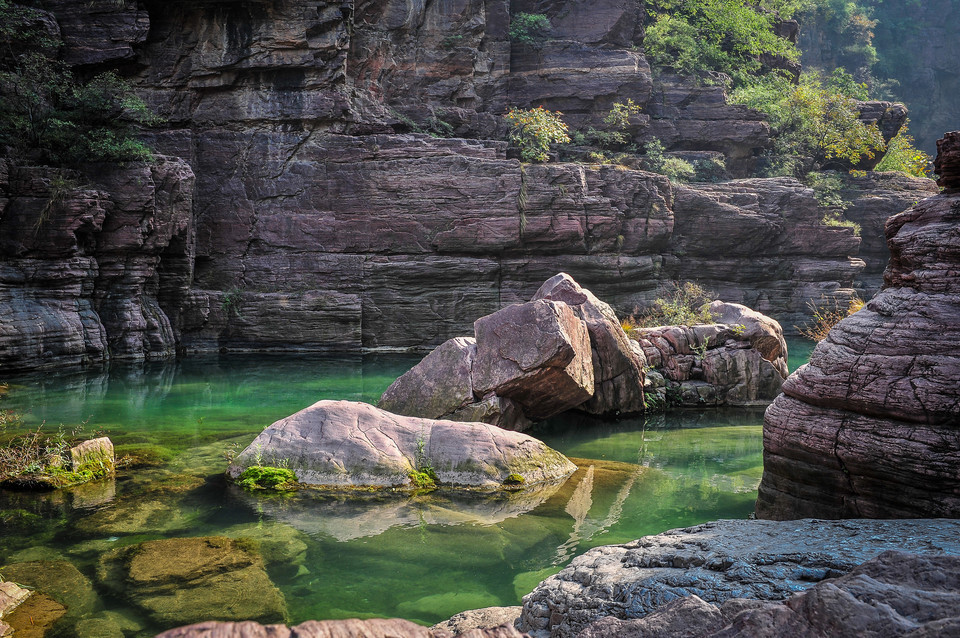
(423, 477)
(826, 314)
(534, 130)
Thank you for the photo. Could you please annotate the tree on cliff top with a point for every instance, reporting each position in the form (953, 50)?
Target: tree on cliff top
(47, 113)
(726, 36)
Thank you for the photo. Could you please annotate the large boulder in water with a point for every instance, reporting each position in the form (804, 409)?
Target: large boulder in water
(618, 362)
(870, 427)
(438, 386)
(537, 354)
(349, 444)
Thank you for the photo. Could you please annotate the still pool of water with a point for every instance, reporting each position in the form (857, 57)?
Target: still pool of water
(422, 557)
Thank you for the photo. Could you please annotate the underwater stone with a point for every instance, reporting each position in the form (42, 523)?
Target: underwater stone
(193, 579)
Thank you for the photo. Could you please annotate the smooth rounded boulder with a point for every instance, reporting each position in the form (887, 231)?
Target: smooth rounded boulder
(350, 444)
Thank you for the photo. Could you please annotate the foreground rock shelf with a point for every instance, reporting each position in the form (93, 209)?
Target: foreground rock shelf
(761, 560)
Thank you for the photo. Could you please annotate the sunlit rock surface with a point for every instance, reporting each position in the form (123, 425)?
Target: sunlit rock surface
(871, 426)
(760, 560)
(349, 444)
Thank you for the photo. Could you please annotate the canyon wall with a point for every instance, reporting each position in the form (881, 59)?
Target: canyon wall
(328, 215)
(870, 428)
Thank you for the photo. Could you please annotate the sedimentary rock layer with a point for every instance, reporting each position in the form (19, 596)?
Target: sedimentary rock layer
(871, 426)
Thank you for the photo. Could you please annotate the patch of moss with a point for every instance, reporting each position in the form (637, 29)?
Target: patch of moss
(424, 478)
(514, 479)
(259, 477)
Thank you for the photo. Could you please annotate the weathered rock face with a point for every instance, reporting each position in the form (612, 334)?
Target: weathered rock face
(318, 227)
(564, 349)
(89, 272)
(739, 361)
(617, 363)
(373, 628)
(894, 594)
(342, 443)
(193, 579)
(760, 560)
(871, 426)
(947, 164)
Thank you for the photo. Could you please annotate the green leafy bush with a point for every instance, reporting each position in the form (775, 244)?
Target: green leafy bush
(534, 130)
(812, 121)
(50, 115)
(676, 169)
(904, 157)
(531, 29)
(726, 36)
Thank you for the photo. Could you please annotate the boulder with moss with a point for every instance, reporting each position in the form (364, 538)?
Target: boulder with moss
(350, 444)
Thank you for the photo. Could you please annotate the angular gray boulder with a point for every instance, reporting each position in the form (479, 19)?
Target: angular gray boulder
(349, 444)
(894, 594)
(537, 354)
(438, 386)
(618, 362)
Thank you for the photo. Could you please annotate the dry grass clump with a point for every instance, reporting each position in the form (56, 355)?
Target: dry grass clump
(826, 314)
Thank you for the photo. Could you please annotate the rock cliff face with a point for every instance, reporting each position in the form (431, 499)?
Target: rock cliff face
(871, 426)
(323, 220)
(93, 270)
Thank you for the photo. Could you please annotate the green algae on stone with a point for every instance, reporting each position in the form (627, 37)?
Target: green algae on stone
(278, 479)
(180, 581)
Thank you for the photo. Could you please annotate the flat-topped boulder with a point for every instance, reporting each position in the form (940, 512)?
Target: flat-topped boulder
(349, 444)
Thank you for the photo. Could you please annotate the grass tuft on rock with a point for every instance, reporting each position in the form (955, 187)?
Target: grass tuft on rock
(260, 477)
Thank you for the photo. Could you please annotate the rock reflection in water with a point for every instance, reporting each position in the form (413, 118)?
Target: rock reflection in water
(351, 515)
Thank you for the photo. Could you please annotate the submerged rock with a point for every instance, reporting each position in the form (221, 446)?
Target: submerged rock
(352, 628)
(870, 427)
(58, 579)
(348, 444)
(762, 560)
(11, 595)
(192, 579)
(892, 595)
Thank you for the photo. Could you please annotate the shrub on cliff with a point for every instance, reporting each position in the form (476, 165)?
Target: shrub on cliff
(48, 114)
(686, 304)
(530, 29)
(813, 120)
(904, 157)
(534, 130)
(727, 36)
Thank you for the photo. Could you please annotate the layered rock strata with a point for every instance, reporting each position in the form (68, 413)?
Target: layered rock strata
(739, 361)
(93, 265)
(758, 560)
(348, 444)
(373, 628)
(895, 594)
(319, 227)
(871, 426)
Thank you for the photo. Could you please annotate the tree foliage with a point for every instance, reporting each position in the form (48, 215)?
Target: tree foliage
(534, 130)
(904, 157)
(49, 114)
(813, 120)
(530, 28)
(726, 36)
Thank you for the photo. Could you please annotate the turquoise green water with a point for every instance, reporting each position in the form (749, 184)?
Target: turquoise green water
(424, 558)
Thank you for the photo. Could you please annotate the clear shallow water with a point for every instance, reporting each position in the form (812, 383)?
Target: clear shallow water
(424, 557)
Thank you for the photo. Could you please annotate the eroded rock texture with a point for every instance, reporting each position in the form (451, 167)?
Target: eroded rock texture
(739, 361)
(352, 628)
(322, 225)
(871, 426)
(894, 594)
(95, 264)
(344, 443)
(758, 560)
